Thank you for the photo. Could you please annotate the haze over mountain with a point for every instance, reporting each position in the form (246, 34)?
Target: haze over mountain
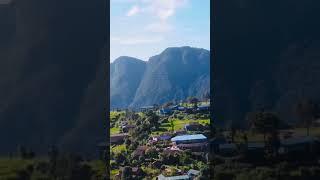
(173, 75)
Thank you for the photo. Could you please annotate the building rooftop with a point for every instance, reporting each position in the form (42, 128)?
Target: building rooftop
(118, 137)
(189, 137)
(299, 140)
(165, 111)
(128, 126)
(163, 137)
(183, 177)
(140, 150)
(193, 172)
(181, 108)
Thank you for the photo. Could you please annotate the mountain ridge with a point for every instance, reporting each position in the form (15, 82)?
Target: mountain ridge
(161, 82)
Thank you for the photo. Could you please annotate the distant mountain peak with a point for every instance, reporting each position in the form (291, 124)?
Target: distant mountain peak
(183, 48)
(127, 59)
(174, 74)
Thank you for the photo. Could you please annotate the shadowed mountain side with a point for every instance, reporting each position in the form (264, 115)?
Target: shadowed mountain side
(125, 76)
(53, 59)
(250, 40)
(294, 78)
(90, 128)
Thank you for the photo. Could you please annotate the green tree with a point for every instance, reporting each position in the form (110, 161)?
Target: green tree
(53, 154)
(151, 152)
(273, 144)
(22, 151)
(82, 172)
(126, 173)
(264, 122)
(172, 125)
(156, 106)
(204, 173)
(153, 119)
(194, 101)
(233, 128)
(120, 158)
(140, 174)
(306, 110)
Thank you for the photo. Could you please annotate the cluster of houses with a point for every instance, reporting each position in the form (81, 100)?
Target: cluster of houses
(125, 127)
(194, 126)
(169, 142)
(196, 143)
(291, 148)
(117, 139)
(164, 111)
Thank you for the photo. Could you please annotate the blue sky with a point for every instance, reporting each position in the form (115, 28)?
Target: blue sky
(143, 28)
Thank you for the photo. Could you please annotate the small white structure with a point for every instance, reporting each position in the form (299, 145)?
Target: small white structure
(183, 177)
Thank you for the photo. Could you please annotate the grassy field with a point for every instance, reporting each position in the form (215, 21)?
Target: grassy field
(151, 171)
(179, 124)
(9, 167)
(314, 131)
(113, 173)
(119, 148)
(98, 166)
(114, 130)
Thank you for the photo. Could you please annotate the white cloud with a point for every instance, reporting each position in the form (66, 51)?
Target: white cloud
(136, 40)
(133, 11)
(163, 9)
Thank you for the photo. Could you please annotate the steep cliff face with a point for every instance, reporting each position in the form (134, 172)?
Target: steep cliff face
(125, 77)
(251, 69)
(173, 75)
(54, 57)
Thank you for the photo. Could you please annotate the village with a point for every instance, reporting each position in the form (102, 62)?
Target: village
(177, 141)
(167, 142)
